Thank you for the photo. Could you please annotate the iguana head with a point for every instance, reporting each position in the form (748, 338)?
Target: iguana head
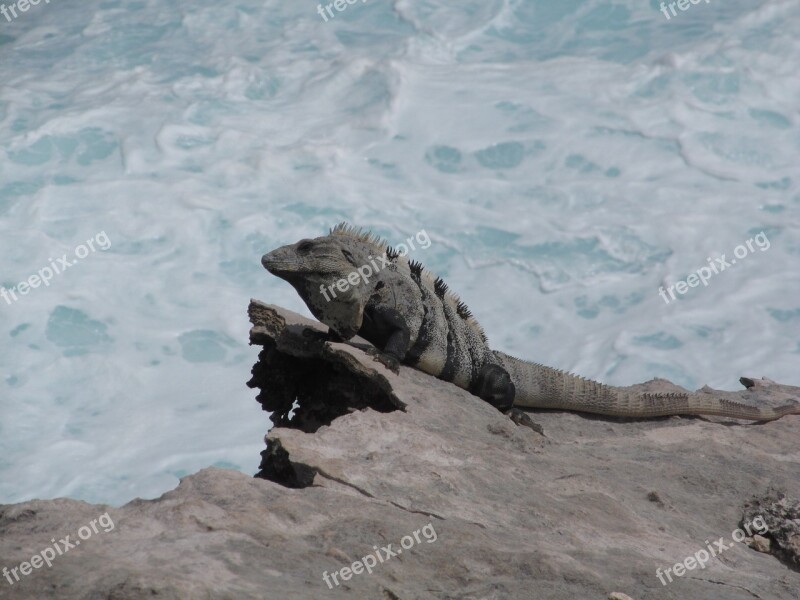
(308, 258)
(314, 266)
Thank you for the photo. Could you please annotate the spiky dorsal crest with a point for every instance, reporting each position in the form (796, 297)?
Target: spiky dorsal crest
(416, 268)
(357, 233)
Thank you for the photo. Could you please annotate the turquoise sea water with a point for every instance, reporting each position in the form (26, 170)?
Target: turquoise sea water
(566, 158)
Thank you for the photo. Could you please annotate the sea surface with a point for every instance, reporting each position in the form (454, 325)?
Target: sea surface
(566, 158)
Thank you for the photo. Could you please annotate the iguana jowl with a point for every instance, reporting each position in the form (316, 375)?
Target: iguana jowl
(412, 318)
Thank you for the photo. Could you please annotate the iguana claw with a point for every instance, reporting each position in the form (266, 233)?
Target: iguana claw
(387, 360)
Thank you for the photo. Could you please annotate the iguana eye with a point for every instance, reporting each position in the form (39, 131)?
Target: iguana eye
(305, 246)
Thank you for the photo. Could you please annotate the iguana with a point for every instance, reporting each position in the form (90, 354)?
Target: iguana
(354, 283)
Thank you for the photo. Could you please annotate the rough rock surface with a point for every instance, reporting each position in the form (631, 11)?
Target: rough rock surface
(782, 516)
(369, 457)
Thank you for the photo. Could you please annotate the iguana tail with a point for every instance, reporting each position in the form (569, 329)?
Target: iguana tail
(538, 386)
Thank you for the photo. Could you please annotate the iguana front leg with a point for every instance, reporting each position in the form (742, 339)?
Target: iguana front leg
(387, 326)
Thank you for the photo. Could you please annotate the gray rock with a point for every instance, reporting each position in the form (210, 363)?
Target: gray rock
(370, 459)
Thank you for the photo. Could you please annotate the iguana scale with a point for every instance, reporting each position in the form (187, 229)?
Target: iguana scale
(412, 318)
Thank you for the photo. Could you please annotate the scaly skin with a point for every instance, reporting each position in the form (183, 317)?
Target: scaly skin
(411, 317)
